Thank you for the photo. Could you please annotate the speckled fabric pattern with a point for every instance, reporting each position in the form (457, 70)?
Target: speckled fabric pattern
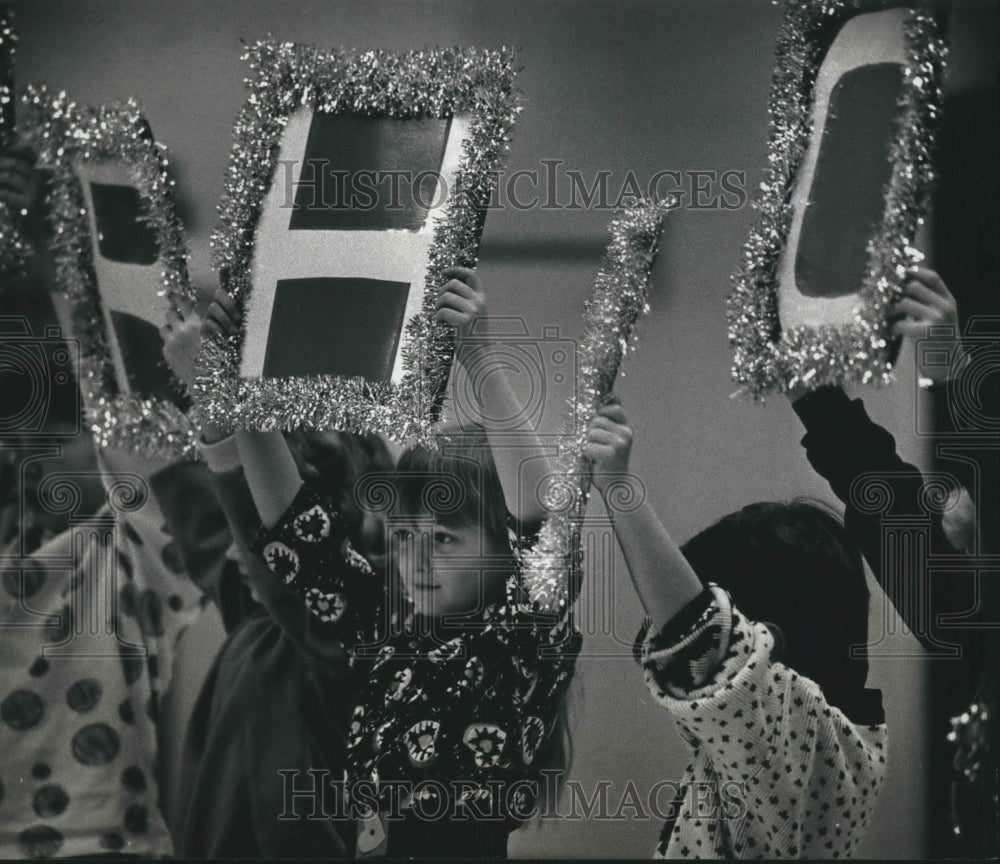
(776, 771)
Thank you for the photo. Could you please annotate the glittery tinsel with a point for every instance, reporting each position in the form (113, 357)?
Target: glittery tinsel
(620, 295)
(13, 248)
(433, 83)
(62, 132)
(767, 358)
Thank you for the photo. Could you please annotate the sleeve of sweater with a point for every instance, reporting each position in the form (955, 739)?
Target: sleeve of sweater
(202, 535)
(282, 604)
(843, 443)
(801, 777)
(155, 585)
(308, 552)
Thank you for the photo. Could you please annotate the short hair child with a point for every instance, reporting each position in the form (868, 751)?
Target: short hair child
(789, 745)
(795, 566)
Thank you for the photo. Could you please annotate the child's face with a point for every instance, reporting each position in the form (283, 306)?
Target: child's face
(449, 569)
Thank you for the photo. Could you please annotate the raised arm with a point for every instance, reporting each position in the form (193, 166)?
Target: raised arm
(663, 579)
(843, 443)
(219, 450)
(271, 473)
(270, 469)
(462, 304)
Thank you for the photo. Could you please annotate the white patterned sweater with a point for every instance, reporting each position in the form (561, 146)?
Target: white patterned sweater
(776, 771)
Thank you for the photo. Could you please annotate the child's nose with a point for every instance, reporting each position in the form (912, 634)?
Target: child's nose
(412, 547)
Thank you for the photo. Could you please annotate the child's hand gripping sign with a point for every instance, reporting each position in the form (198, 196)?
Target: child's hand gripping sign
(356, 179)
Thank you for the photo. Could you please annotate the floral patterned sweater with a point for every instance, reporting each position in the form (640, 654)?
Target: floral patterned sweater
(776, 771)
(452, 716)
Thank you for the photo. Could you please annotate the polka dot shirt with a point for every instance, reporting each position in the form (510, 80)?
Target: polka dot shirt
(776, 771)
(88, 642)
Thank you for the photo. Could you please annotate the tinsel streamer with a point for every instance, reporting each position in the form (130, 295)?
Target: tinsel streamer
(974, 740)
(434, 83)
(13, 248)
(552, 566)
(61, 132)
(766, 357)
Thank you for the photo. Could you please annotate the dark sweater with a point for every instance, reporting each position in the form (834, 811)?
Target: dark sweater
(849, 450)
(843, 444)
(277, 699)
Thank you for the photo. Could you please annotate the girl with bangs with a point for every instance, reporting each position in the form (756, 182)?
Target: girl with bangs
(463, 674)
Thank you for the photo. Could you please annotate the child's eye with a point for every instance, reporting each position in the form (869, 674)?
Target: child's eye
(444, 537)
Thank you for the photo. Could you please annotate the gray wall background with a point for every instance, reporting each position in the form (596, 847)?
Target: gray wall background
(667, 85)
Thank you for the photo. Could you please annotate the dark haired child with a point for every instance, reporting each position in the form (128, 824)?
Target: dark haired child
(747, 645)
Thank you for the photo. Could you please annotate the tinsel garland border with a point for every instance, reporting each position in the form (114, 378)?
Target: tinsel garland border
(767, 358)
(552, 568)
(432, 83)
(62, 131)
(13, 248)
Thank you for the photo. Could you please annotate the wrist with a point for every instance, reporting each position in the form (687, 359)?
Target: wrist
(221, 453)
(209, 433)
(607, 481)
(815, 407)
(214, 434)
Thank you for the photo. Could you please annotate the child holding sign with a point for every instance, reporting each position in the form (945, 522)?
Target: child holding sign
(747, 645)
(951, 611)
(460, 708)
(90, 620)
